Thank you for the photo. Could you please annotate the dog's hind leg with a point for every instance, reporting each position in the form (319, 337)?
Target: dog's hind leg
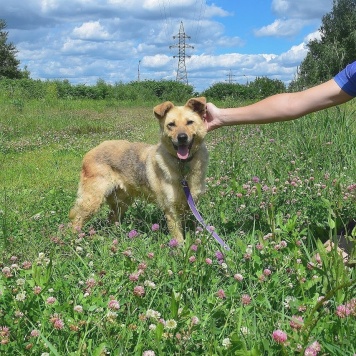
(91, 196)
(118, 202)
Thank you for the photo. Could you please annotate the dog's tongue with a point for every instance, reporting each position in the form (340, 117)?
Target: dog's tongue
(183, 152)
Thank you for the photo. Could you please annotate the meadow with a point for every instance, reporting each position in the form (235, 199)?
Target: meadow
(275, 194)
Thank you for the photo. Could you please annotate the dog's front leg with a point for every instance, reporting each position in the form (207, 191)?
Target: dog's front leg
(175, 225)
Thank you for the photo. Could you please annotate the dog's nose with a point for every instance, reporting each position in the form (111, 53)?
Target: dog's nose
(182, 138)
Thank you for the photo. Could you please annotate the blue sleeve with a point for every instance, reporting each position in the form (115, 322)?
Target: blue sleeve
(346, 79)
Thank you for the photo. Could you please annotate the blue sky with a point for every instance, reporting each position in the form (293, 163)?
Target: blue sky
(87, 40)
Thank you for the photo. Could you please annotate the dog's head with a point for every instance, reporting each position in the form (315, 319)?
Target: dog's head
(182, 127)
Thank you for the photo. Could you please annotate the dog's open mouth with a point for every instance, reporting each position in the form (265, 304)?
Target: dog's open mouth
(183, 150)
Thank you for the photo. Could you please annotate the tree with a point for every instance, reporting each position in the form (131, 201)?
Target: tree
(336, 48)
(262, 87)
(8, 62)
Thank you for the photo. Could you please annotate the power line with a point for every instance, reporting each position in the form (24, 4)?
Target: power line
(182, 70)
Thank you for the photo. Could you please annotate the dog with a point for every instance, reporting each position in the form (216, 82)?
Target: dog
(119, 171)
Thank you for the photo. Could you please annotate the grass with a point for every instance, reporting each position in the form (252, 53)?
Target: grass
(275, 194)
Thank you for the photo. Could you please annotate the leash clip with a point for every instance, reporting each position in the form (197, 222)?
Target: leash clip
(184, 183)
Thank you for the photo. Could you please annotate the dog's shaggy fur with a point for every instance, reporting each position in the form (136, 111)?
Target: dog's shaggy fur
(119, 171)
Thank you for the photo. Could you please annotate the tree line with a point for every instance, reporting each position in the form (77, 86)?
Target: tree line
(325, 58)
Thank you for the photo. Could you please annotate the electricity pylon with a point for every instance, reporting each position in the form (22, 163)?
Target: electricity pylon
(181, 71)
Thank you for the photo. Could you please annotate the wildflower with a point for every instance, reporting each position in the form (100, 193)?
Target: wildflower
(37, 290)
(51, 300)
(26, 265)
(150, 313)
(4, 332)
(152, 327)
(342, 311)
(21, 282)
(7, 272)
(195, 320)
(296, 322)
(255, 179)
(127, 253)
(259, 247)
(90, 282)
(245, 299)
(221, 294)
(149, 284)
(208, 261)
(171, 324)
(219, 255)
(315, 346)
(20, 297)
(173, 243)
(309, 352)
(244, 330)
(35, 333)
(194, 248)
(198, 229)
(142, 266)
(113, 304)
(226, 343)
(19, 314)
(139, 291)
(352, 306)
(111, 316)
(279, 336)
(133, 277)
(239, 277)
(148, 353)
(267, 272)
(283, 244)
(58, 324)
(78, 309)
(192, 259)
(132, 234)
(155, 227)
(150, 255)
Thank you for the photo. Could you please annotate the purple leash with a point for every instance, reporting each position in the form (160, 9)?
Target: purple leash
(199, 217)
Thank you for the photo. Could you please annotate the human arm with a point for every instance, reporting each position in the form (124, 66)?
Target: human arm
(279, 107)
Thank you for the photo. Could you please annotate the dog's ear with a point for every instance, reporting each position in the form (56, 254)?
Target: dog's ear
(161, 110)
(197, 104)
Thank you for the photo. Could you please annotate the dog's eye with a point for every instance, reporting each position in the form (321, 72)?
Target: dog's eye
(190, 122)
(171, 124)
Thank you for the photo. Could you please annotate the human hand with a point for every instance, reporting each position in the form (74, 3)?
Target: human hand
(211, 117)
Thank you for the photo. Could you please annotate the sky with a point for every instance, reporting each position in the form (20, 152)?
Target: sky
(128, 40)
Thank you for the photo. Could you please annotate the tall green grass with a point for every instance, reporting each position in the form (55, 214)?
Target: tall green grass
(275, 194)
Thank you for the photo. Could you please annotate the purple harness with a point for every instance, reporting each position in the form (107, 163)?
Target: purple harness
(199, 217)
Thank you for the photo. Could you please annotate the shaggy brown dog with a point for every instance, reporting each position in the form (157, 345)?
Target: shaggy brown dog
(119, 171)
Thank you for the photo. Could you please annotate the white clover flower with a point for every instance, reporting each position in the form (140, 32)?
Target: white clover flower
(226, 343)
(245, 330)
(150, 284)
(150, 313)
(20, 297)
(152, 327)
(171, 324)
(21, 282)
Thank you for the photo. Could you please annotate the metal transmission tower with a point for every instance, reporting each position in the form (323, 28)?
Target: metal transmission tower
(230, 76)
(182, 71)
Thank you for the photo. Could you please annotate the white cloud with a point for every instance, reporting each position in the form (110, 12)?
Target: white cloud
(281, 28)
(92, 30)
(313, 36)
(301, 9)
